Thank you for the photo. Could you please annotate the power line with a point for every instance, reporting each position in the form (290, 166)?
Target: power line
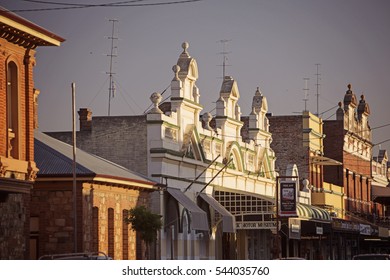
(79, 4)
(67, 6)
(129, 95)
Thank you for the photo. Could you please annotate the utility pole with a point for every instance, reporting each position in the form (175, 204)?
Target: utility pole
(111, 86)
(74, 165)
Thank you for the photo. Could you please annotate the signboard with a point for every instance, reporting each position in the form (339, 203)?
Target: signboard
(344, 225)
(319, 230)
(256, 225)
(288, 199)
(294, 226)
(365, 229)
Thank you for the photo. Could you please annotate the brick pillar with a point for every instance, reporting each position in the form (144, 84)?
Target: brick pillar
(85, 117)
(29, 63)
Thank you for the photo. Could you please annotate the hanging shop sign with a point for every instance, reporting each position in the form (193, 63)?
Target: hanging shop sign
(288, 199)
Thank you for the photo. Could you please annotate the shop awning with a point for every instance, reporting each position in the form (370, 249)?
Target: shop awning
(380, 194)
(321, 160)
(228, 220)
(312, 212)
(198, 216)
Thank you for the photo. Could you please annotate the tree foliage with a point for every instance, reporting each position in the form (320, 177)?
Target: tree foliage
(144, 222)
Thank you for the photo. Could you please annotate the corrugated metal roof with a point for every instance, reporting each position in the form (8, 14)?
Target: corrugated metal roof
(54, 157)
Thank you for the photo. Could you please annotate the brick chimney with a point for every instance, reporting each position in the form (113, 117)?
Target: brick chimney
(85, 117)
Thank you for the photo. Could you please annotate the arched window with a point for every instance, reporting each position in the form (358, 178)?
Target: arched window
(12, 110)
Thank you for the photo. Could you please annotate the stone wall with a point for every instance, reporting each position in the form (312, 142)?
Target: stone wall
(54, 211)
(287, 142)
(14, 215)
(101, 209)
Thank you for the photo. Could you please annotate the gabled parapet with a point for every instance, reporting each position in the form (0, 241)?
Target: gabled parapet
(355, 115)
(179, 129)
(186, 74)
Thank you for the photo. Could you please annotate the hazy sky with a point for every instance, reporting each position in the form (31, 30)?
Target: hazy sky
(273, 44)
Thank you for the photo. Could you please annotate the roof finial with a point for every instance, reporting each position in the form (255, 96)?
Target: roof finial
(185, 46)
(176, 70)
(258, 92)
(155, 98)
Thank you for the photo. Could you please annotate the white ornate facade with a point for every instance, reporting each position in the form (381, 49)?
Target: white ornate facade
(220, 185)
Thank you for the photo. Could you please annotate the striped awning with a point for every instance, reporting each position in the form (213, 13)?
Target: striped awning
(312, 212)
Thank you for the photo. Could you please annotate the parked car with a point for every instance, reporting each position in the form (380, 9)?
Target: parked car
(371, 257)
(77, 256)
(290, 258)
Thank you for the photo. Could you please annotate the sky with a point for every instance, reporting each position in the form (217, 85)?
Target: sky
(271, 44)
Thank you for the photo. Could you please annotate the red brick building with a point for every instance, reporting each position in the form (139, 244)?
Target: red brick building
(348, 140)
(104, 192)
(18, 109)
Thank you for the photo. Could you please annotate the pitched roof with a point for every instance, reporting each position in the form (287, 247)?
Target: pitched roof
(25, 33)
(55, 158)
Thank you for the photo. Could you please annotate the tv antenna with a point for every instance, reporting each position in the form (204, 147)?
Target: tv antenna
(306, 92)
(224, 53)
(318, 89)
(111, 86)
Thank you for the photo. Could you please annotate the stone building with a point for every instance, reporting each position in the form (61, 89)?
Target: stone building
(381, 186)
(18, 117)
(298, 141)
(104, 192)
(219, 201)
(348, 140)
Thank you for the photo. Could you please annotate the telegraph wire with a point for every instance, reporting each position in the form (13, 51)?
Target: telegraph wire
(79, 4)
(82, 6)
(127, 94)
(99, 91)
